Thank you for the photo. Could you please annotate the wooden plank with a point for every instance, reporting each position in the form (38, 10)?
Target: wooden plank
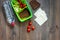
(3, 25)
(0, 29)
(19, 32)
(57, 11)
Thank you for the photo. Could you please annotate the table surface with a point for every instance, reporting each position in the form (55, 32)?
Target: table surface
(50, 30)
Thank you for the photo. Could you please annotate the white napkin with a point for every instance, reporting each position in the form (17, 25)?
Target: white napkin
(41, 16)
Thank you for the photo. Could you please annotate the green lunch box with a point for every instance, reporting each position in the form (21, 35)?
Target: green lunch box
(16, 7)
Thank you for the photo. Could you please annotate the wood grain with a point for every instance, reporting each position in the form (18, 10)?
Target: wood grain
(48, 31)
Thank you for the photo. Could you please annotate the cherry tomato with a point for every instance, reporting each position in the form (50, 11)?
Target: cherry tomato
(24, 5)
(18, 0)
(21, 5)
(33, 27)
(28, 27)
(30, 23)
(28, 30)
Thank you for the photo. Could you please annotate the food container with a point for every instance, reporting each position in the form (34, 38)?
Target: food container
(17, 9)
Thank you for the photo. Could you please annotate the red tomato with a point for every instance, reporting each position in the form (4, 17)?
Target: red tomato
(24, 5)
(21, 5)
(30, 23)
(28, 30)
(28, 27)
(33, 27)
(18, 0)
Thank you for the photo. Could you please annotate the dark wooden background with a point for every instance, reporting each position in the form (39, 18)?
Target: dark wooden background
(50, 30)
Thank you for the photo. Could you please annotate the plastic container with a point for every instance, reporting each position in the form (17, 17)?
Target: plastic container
(15, 4)
(9, 13)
